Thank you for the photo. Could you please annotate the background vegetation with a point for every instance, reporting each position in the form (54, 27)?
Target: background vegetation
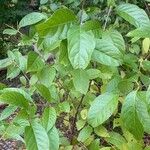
(75, 74)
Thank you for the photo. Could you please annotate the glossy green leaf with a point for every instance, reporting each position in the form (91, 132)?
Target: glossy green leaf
(34, 63)
(19, 90)
(62, 18)
(116, 38)
(80, 47)
(44, 91)
(101, 131)
(133, 14)
(102, 108)
(81, 81)
(48, 118)
(143, 114)
(14, 98)
(7, 112)
(10, 31)
(46, 76)
(85, 133)
(5, 63)
(93, 73)
(117, 140)
(130, 117)
(53, 139)
(36, 137)
(107, 53)
(31, 19)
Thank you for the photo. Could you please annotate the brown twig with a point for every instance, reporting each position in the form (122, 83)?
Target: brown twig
(77, 112)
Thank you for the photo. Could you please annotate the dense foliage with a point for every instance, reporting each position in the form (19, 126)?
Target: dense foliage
(84, 69)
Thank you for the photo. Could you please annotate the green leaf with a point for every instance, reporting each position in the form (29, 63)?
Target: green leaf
(145, 45)
(48, 118)
(43, 2)
(125, 86)
(80, 124)
(14, 98)
(5, 63)
(34, 63)
(7, 112)
(85, 133)
(81, 81)
(143, 114)
(117, 140)
(36, 137)
(10, 31)
(133, 14)
(130, 117)
(94, 145)
(113, 36)
(46, 76)
(64, 107)
(31, 19)
(18, 64)
(93, 73)
(53, 139)
(107, 53)
(62, 18)
(146, 65)
(19, 90)
(102, 108)
(63, 56)
(80, 47)
(101, 131)
(44, 91)
(91, 25)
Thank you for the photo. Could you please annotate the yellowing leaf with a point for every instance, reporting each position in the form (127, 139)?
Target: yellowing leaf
(84, 114)
(145, 46)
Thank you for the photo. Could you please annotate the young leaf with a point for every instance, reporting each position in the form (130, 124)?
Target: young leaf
(81, 81)
(10, 31)
(31, 19)
(34, 63)
(146, 45)
(80, 47)
(36, 137)
(85, 133)
(49, 118)
(43, 2)
(102, 108)
(5, 63)
(130, 117)
(53, 139)
(44, 91)
(133, 14)
(7, 112)
(46, 75)
(117, 140)
(93, 73)
(101, 131)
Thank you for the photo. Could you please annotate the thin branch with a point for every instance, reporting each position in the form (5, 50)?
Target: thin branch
(147, 8)
(82, 9)
(107, 17)
(76, 115)
(78, 110)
